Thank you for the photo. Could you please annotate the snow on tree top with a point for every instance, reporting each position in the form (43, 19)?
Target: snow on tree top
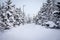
(56, 11)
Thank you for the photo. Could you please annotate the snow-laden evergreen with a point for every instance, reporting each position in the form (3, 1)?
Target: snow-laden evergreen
(46, 13)
(10, 15)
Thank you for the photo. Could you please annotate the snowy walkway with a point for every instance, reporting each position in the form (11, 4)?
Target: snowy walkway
(30, 32)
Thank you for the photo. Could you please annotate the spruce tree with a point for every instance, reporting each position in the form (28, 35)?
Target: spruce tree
(9, 15)
(46, 11)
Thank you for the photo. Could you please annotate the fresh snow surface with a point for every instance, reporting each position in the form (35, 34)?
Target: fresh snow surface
(30, 32)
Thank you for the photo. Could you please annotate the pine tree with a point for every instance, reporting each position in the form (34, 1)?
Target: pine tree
(57, 15)
(34, 18)
(28, 19)
(23, 18)
(18, 16)
(6, 15)
(46, 12)
(2, 17)
(9, 15)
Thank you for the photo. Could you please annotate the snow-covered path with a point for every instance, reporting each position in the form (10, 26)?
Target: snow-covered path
(30, 32)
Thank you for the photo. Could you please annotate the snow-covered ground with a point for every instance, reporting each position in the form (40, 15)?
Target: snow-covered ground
(30, 32)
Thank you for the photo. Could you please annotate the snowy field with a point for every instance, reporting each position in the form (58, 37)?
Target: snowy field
(30, 32)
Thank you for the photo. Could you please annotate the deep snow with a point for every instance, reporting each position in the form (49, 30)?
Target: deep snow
(30, 32)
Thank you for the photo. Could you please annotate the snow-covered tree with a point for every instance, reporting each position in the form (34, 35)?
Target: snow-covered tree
(57, 15)
(23, 18)
(46, 12)
(9, 14)
(29, 19)
(18, 16)
(3, 20)
(34, 17)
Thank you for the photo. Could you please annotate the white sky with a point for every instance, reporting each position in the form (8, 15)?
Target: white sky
(31, 6)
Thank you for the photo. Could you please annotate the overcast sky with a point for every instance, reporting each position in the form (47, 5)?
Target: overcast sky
(31, 6)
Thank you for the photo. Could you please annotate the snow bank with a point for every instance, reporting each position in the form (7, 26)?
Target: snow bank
(51, 24)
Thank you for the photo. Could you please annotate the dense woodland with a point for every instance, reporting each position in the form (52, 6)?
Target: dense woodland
(10, 16)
